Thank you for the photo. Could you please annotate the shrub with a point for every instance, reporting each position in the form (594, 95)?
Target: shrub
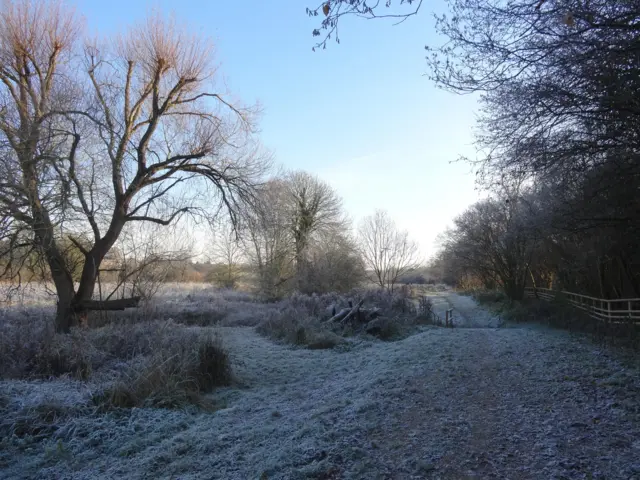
(173, 377)
(295, 326)
(425, 307)
(489, 296)
(386, 329)
(517, 312)
(313, 305)
(390, 304)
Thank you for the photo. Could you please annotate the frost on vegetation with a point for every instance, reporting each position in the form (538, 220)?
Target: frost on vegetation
(304, 319)
(515, 403)
(507, 403)
(153, 363)
(173, 376)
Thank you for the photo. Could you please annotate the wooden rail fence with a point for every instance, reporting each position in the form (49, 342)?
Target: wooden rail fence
(623, 310)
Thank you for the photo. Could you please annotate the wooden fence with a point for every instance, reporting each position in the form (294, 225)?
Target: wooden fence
(624, 310)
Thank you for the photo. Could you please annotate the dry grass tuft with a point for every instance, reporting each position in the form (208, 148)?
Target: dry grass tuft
(29, 348)
(60, 355)
(35, 423)
(172, 377)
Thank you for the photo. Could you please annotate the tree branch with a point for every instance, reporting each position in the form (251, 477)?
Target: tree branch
(108, 305)
(159, 221)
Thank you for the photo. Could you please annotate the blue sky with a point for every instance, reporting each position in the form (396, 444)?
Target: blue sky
(361, 114)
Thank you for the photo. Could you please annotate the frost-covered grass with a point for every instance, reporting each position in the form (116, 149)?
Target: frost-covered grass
(43, 293)
(157, 363)
(476, 402)
(445, 403)
(186, 303)
(558, 313)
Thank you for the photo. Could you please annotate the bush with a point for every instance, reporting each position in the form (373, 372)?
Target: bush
(172, 377)
(425, 307)
(386, 329)
(295, 326)
(390, 304)
(489, 296)
(313, 305)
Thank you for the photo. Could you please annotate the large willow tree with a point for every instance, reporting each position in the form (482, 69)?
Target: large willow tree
(96, 136)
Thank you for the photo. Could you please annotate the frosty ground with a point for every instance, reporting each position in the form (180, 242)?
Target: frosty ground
(474, 401)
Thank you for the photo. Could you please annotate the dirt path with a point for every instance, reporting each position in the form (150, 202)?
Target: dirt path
(466, 312)
(517, 403)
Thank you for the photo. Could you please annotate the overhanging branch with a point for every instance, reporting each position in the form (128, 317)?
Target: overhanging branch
(159, 221)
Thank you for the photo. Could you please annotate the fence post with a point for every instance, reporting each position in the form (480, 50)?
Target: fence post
(608, 311)
(629, 311)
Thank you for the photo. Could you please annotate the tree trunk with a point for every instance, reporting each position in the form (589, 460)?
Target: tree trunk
(73, 306)
(70, 311)
(64, 309)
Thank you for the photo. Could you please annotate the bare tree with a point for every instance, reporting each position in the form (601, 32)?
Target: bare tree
(90, 147)
(266, 238)
(227, 255)
(334, 265)
(314, 208)
(388, 252)
(495, 241)
(294, 213)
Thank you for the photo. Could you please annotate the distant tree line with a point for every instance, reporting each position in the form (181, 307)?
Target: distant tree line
(297, 237)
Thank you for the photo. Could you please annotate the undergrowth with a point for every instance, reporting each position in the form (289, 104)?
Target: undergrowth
(296, 326)
(302, 319)
(158, 364)
(559, 313)
(172, 377)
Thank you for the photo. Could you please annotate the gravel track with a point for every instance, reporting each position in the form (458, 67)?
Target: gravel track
(475, 402)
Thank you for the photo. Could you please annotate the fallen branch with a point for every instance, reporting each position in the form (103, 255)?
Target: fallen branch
(338, 316)
(119, 304)
(353, 311)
